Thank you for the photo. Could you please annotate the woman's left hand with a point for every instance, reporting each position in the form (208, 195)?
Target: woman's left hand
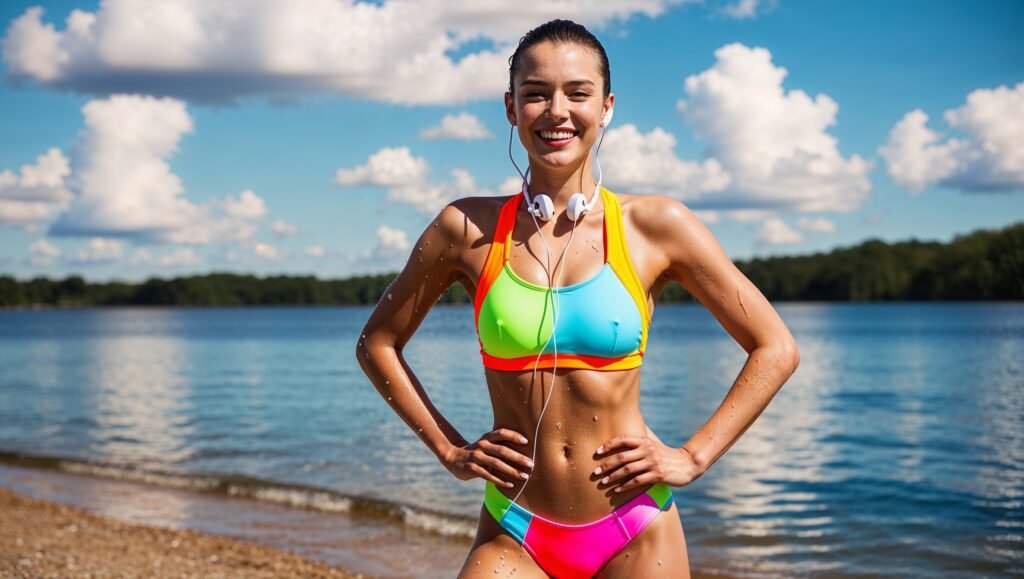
(633, 461)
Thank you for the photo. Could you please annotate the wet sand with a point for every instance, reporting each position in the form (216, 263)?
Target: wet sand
(44, 539)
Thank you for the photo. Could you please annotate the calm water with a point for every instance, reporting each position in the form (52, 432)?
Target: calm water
(897, 448)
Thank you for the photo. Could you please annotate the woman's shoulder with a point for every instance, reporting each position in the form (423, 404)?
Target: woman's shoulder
(469, 218)
(647, 212)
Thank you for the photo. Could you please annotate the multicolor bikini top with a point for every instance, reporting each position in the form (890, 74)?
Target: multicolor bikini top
(602, 321)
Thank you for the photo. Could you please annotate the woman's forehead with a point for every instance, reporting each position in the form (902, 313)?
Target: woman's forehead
(563, 59)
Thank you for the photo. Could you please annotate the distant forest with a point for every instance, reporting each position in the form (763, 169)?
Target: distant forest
(984, 265)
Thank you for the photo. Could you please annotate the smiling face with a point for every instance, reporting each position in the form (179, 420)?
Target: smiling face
(557, 104)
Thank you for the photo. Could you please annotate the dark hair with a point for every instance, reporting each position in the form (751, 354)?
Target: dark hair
(560, 32)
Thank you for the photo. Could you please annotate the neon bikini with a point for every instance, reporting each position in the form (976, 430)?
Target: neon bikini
(602, 322)
(569, 551)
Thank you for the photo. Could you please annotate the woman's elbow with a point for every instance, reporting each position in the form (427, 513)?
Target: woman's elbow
(789, 355)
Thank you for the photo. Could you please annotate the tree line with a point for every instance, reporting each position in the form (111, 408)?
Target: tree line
(983, 265)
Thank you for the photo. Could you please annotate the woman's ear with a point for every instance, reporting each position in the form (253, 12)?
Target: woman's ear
(510, 108)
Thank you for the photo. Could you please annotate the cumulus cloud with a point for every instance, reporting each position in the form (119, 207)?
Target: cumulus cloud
(405, 178)
(646, 163)
(283, 229)
(315, 251)
(179, 257)
(746, 9)
(818, 225)
(396, 51)
(748, 215)
(388, 254)
(124, 186)
(990, 157)
(98, 250)
(772, 143)
(461, 127)
(776, 232)
(37, 192)
(42, 252)
(248, 205)
(266, 251)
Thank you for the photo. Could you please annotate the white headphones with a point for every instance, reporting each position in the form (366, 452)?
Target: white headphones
(542, 207)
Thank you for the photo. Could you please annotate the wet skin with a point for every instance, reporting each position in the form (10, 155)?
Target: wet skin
(588, 409)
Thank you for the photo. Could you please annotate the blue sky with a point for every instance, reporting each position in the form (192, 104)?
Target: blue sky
(145, 138)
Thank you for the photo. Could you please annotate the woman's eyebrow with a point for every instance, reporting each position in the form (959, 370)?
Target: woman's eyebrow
(538, 82)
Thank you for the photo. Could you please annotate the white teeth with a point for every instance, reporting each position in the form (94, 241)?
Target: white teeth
(553, 135)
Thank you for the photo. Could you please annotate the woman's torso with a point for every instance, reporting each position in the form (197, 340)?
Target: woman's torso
(587, 407)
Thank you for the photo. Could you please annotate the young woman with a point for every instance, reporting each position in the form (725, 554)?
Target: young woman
(574, 476)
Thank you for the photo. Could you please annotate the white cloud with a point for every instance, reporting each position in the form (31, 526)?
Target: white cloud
(42, 252)
(396, 51)
(405, 177)
(265, 250)
(179, 257)
(645, 163)
(511, 185)
(746, 9)
(388, 167)
(248, 206)
(776, 232)
(387, 255)
(283, 229)
(772, 143)
(315, 251)
(98, 250)
(989, 158)
(125, 188)
(38, 192)
(818, 225)
(462, 127)
(748, 215)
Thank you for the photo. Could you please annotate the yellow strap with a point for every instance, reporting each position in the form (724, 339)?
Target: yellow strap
(618, 258)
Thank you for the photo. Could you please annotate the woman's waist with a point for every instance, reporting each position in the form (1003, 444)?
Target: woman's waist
(562, 483)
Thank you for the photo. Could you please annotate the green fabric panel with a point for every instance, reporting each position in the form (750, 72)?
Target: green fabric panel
(495, 502)
(661, 494)
(515, 319)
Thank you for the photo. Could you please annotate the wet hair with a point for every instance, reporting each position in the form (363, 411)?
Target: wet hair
(560, 32)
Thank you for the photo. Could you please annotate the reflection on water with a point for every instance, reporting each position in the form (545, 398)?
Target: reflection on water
(143, 415)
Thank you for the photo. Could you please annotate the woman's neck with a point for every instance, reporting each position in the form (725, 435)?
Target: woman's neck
(560, 186)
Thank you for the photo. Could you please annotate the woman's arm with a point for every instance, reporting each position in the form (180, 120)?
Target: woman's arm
(697, 261)
(431, 269)
(691, 255)
(437, 261)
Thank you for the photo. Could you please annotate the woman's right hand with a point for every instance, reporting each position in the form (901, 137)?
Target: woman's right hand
(489, 459)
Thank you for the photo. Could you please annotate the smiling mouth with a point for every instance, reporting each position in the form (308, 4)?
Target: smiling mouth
(556, 135)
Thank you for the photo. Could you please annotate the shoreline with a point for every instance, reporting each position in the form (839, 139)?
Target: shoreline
(45, 538)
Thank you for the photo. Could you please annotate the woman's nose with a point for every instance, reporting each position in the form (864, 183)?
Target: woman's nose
(558, 107)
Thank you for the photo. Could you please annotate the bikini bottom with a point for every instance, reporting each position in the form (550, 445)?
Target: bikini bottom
(569, 551)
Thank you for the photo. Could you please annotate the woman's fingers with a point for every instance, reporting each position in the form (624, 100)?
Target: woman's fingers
(614, 463)
(506, 435)
(487, 475)
(637, 481)
(619, 442)
(507, 454)
(496, 465)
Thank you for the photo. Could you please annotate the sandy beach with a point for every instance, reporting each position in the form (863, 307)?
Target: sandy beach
(44, 539)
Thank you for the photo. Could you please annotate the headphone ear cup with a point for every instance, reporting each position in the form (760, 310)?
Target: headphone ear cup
(608, 117)
(577, 206)
(543, 207)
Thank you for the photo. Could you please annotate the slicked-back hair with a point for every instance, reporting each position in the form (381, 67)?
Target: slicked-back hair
(560, 32)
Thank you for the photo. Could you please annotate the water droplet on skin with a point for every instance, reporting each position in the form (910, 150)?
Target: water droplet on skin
(659, 563)
(435, 225)
(389, 399)
(558, 425)
(389, 297)
(595, 419)
(451, 245)
(428, 243)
